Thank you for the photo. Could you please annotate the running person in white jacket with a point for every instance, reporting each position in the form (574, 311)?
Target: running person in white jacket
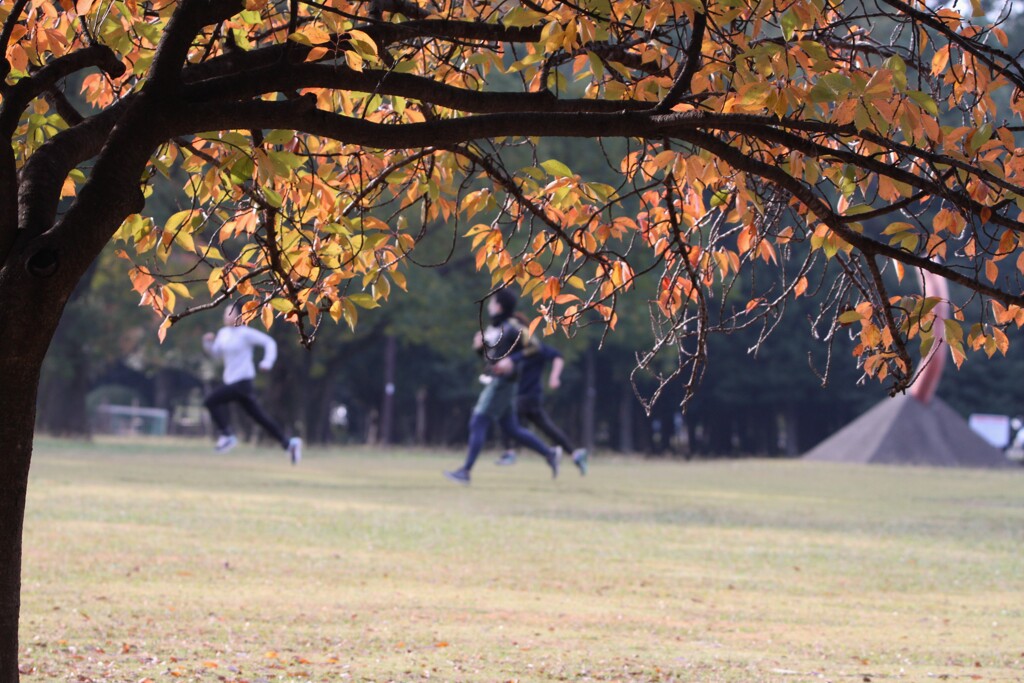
(235, 343)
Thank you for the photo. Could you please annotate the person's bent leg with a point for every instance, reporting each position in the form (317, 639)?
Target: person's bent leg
(552, 456)
(216, 403)
(479, 425)
(538, 416)
(510, 423)
(508, 456)
(247, 399)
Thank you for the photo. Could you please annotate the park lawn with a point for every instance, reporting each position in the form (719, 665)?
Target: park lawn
(162, 561)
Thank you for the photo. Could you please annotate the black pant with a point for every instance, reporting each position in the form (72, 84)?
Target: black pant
(531, 409)
(217, 402)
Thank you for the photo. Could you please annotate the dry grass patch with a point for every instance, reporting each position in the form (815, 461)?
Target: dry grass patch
(162, 561)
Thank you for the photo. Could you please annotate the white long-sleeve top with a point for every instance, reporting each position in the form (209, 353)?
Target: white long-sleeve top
(235, 345)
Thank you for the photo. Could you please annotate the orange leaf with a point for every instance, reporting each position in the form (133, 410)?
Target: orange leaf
(991, 271)
(800, 287)
(940, 60)
(316, 53)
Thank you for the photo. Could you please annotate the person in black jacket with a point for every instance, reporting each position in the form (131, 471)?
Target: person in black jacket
(504, 336)
(530, 363)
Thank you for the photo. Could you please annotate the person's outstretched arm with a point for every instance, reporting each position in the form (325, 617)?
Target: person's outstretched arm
(208, 344)
(555, 378)
(257, 338)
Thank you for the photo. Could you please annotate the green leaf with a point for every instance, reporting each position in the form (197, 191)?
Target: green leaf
(954, 333)
(831, 87)
(981, 136)
(522, 16)
(789, 23)
(897, 226)
(363, 300)
(557, 168)
(755, 94)
(719, 198)
(895, 64)
(176, 220)
(272, 197)
(284, 161)
(279, 137)
(924, 101)
(850, 317)
(282, 305)
(241, 171)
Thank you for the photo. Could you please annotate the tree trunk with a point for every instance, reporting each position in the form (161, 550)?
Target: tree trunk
(626, 399)
(421, 416)
(17, 401)
(28, 321)
(387, 408)
(589, 399)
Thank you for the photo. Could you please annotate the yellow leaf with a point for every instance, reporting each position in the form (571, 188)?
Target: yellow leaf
(184, 239)
(354, 61)
(940, 60)
(364, 40)
(215, 281)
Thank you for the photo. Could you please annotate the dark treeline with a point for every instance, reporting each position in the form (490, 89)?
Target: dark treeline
(771, 403)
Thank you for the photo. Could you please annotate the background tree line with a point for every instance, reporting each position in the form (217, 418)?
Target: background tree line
(771, 402)
(768, 403)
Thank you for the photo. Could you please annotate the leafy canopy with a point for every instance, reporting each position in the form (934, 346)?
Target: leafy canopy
(771, 150)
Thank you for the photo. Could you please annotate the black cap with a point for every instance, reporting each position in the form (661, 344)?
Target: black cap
(507, 300)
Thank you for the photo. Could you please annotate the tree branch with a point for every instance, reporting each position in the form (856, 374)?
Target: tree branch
(59, 101)
(978, 50)
(43, 175)
(381, 33)
(24, 91)
(824, 213)
(684, 80)
(289, 77)
(180, 32)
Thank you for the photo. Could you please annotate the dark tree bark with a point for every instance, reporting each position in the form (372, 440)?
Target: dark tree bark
(387, 406)
(33, 304)
(589, 421)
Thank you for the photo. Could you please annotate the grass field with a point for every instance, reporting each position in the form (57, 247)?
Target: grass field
(164, 562)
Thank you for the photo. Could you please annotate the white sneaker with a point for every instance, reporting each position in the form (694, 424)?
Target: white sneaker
(295, 449)
(225, 444)
(555, 461)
